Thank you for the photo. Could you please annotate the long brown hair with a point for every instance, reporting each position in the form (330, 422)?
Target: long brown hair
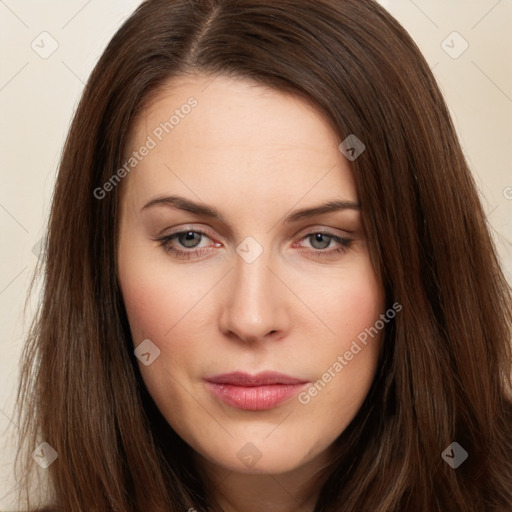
(445, 370)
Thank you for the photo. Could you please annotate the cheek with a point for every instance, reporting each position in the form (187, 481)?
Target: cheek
(167, 306)
(346, 362)
(157, 299)
(348, 304)
(159, 305)
(361, 305)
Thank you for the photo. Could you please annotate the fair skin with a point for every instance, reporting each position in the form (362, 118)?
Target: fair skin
(256, 155)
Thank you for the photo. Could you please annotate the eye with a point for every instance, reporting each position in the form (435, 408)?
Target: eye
(320, 241)
(187, 244)
(189, 239)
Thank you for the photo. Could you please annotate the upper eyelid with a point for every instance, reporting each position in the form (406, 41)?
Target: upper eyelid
(201, 230)
(306, 231)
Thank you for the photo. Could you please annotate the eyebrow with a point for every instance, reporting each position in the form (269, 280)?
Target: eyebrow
(204, 210)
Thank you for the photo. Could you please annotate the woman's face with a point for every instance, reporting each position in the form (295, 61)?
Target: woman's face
(229, 261)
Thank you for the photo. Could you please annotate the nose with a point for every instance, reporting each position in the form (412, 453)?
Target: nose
(255, 305)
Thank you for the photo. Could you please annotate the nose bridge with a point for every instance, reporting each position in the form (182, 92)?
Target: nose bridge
(255, 303)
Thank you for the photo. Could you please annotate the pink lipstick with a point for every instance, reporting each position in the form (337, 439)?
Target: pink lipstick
(259, 392)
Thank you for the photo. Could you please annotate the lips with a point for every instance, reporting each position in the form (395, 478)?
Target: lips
(261, 379)
(263, 391)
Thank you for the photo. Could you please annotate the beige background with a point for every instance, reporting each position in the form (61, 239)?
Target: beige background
(38, 96)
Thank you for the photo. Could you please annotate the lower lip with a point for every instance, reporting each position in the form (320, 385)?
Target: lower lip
(256, 398)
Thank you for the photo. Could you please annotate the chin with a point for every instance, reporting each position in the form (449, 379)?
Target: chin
(258, 457)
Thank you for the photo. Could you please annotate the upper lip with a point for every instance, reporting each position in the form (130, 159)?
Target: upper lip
(260, 379)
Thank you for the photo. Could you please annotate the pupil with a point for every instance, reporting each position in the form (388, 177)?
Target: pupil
(189, 237)
(318, 238)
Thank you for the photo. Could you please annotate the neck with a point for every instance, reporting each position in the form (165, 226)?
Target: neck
(293, 491)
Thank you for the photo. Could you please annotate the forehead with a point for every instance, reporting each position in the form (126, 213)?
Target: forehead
(233, 134)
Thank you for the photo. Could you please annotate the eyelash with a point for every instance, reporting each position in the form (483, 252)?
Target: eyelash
(165, 243)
